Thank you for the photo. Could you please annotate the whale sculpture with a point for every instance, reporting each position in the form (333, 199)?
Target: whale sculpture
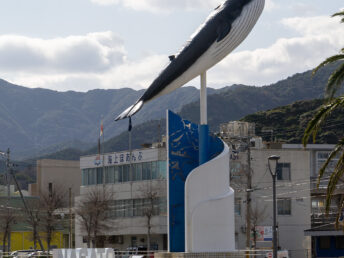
(225, 28)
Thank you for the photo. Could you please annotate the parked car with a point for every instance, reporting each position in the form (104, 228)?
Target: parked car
(135, 251)
(29, 253)
(23, 253)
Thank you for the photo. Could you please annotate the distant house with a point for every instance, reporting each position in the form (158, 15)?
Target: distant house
(63, 176)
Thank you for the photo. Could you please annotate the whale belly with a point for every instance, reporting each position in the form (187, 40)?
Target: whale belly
(241, 27)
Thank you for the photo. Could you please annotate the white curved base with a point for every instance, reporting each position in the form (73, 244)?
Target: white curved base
(209, 207)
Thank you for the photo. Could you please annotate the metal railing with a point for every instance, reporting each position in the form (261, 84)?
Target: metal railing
(258, 253)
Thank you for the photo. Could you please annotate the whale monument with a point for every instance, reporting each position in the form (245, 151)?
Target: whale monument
(200, 200)
(225, 28)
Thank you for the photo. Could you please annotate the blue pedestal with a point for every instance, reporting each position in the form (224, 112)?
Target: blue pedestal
(203, 144)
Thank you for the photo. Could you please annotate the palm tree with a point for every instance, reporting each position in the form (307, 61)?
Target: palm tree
(332, 103)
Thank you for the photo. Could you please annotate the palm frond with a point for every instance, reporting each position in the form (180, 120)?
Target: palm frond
(323, 112)
(340, 208)
(335, 176)
(338, 148)
(335, 81)
(341, 13)
(329, 60)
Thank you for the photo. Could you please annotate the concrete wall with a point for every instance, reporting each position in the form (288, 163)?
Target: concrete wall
(64, 174)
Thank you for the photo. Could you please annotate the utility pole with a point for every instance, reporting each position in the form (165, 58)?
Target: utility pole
(8, 182)
(8, 165)
(70, 219)
(248, 196)
(26, 208)
(241, 132)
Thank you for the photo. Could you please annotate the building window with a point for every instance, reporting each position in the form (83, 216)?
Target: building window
(84, 177)
(138, 172)
(283, 171)
(284, 206)
(324, 242)
(162, 169)
(118, 174)
(321, 158)
(237, 206)
(318, 203)
(109, 175)
(154, 171)
(99, 175)
(146, 169)
(92, 176)
(138, 207)
(123, 173)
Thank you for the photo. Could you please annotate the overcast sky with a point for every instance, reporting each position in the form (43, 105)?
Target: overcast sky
(87, 44)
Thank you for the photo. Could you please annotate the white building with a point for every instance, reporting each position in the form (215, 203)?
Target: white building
(298, 199)
(129, 183)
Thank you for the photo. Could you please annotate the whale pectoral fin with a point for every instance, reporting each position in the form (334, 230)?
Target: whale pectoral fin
(124, 114)
(130, 111)
(223, 30)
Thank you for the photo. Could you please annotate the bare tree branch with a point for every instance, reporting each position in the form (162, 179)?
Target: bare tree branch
(93, 213)
(7, 218)
(51, 200)
(150, 194)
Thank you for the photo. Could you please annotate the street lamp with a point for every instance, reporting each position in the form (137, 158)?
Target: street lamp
(7, 156)
(272, 162)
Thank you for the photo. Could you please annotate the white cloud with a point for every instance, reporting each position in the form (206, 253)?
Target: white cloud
(90, 53)
(136, 74)
(319, 37)
(270, 5)
(304, 9)
(161, 5)
(169, 5)
(98, 60)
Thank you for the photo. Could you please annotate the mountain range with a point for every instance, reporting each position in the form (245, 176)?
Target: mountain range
(37, 122)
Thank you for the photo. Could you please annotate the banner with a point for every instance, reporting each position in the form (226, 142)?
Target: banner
(263, 233)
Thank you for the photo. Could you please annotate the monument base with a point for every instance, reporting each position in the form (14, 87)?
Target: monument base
(200, 255)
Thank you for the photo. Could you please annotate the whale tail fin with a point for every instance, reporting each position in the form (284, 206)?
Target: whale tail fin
(130, 111)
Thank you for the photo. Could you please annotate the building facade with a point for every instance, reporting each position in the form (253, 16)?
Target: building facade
(56, 172)
(303, 227)
(61, 177)
(131, 181)
(327, 240)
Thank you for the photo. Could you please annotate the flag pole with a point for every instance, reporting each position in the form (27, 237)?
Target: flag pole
(130, 149)
(130, 157)
(102, 150)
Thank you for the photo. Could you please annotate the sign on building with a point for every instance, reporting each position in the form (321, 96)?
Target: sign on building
(280, 254)
(263, 233)
(118, 158)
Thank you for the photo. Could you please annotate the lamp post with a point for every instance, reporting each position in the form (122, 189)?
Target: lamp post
(8, 167)
(273, 161)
